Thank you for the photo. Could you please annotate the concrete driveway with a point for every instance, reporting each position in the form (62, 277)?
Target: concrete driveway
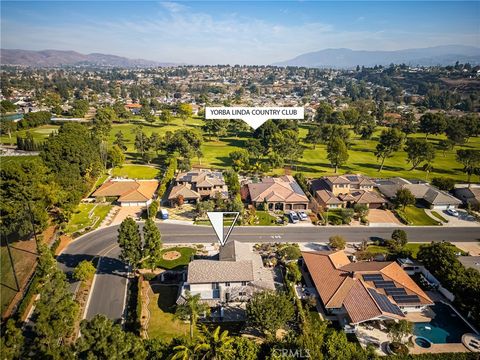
(463, 219)
(378, 217)
(125, 211)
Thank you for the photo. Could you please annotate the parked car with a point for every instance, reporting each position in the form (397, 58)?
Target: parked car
(293, 217)
(452, 212)
(302, 215)
(164, 214)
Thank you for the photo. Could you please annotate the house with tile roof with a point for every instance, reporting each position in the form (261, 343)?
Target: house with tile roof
(233, 278)
(345, 191)
(196, 185)
(362, 291)
(128, 192)
(426, 194)
(278, 193)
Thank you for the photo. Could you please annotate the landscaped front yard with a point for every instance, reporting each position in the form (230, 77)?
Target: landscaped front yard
(413, 247)
(87, 215)
(136, 172)
(163, 324)
(417, 216)
(170, 261)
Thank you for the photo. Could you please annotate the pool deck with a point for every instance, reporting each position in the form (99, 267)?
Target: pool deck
(438, 348)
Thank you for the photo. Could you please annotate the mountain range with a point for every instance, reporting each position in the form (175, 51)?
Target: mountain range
(347, 58)
(328, 58)
(53, 58)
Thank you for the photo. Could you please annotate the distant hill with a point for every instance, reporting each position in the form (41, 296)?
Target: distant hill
(347, 58)
(49, 58)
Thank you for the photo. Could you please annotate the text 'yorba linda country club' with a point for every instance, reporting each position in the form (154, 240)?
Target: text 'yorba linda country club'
(254, 116)
(254, 111)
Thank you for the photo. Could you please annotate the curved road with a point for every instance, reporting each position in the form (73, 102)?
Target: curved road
(109, 289)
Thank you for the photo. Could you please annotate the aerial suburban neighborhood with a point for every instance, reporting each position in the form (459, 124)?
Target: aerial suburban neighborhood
(352, 232)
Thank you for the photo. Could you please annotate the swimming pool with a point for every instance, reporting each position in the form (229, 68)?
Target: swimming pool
(447, 327)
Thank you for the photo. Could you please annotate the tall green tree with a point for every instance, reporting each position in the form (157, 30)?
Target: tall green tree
(116, 157)
(389, 142)
(55, 314)
(337, 152)
(103, 339)
(432, 124)
(12, 341)
(419, 151)
(120, 140)
(166, 116)
(191, 309)
(130, 242)
(269, 311)
(185, 111)
(152, 248)
(404, 197)
(23, 187)
(470, 159)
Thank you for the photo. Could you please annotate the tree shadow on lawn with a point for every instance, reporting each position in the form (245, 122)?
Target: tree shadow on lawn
(222, 161)
(167, 297)
(376, 166)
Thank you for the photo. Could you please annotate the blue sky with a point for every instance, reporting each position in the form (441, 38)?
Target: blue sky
(239, 32)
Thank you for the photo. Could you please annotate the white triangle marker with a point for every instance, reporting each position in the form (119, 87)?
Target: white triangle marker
(216, 219)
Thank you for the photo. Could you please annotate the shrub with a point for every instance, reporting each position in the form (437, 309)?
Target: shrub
(290, 252)
(337, 242)
(293, 272)
(84, 271)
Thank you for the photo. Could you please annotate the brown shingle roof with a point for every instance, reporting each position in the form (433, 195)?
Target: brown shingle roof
(128, 190)
(210, 271)
(284, 188)
(183, 190)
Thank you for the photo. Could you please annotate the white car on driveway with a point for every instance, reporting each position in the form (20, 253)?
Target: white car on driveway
(302, 215)
(452, 212)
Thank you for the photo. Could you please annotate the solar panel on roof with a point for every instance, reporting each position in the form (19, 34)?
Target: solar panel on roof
(406, 299)
(352, 178)
(383, 284)
(395, 291)
(372, 277)
(385, 304)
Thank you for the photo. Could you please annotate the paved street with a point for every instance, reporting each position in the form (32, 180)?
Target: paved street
(108, 293)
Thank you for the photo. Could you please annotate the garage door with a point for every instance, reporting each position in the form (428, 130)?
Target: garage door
(442, 207)
(300, 207)
(133, 204)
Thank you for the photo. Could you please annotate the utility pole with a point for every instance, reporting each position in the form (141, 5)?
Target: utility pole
(33, 225)
(12, 263)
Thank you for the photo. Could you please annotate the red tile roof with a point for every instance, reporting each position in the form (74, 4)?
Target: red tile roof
(340, 283)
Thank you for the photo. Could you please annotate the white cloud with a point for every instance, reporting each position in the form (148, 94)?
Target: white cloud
(176, 33)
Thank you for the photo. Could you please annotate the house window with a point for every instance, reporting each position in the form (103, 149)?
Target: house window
(215, 286)
(227, 284)
(242, 293)
(244, 283)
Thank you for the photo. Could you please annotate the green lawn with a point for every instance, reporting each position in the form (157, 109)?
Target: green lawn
(100, 180)
(314, 162)
(135, 172)
(413, 247)
(183, 260)
(265, 219)
(80, 218)
(439, 217)
(163, 324)
(38, 133)
(417, 216)
(24, 257)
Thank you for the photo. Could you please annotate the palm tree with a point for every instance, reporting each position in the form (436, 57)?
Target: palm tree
(214, 346)
(183, 352)
(191, 309)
